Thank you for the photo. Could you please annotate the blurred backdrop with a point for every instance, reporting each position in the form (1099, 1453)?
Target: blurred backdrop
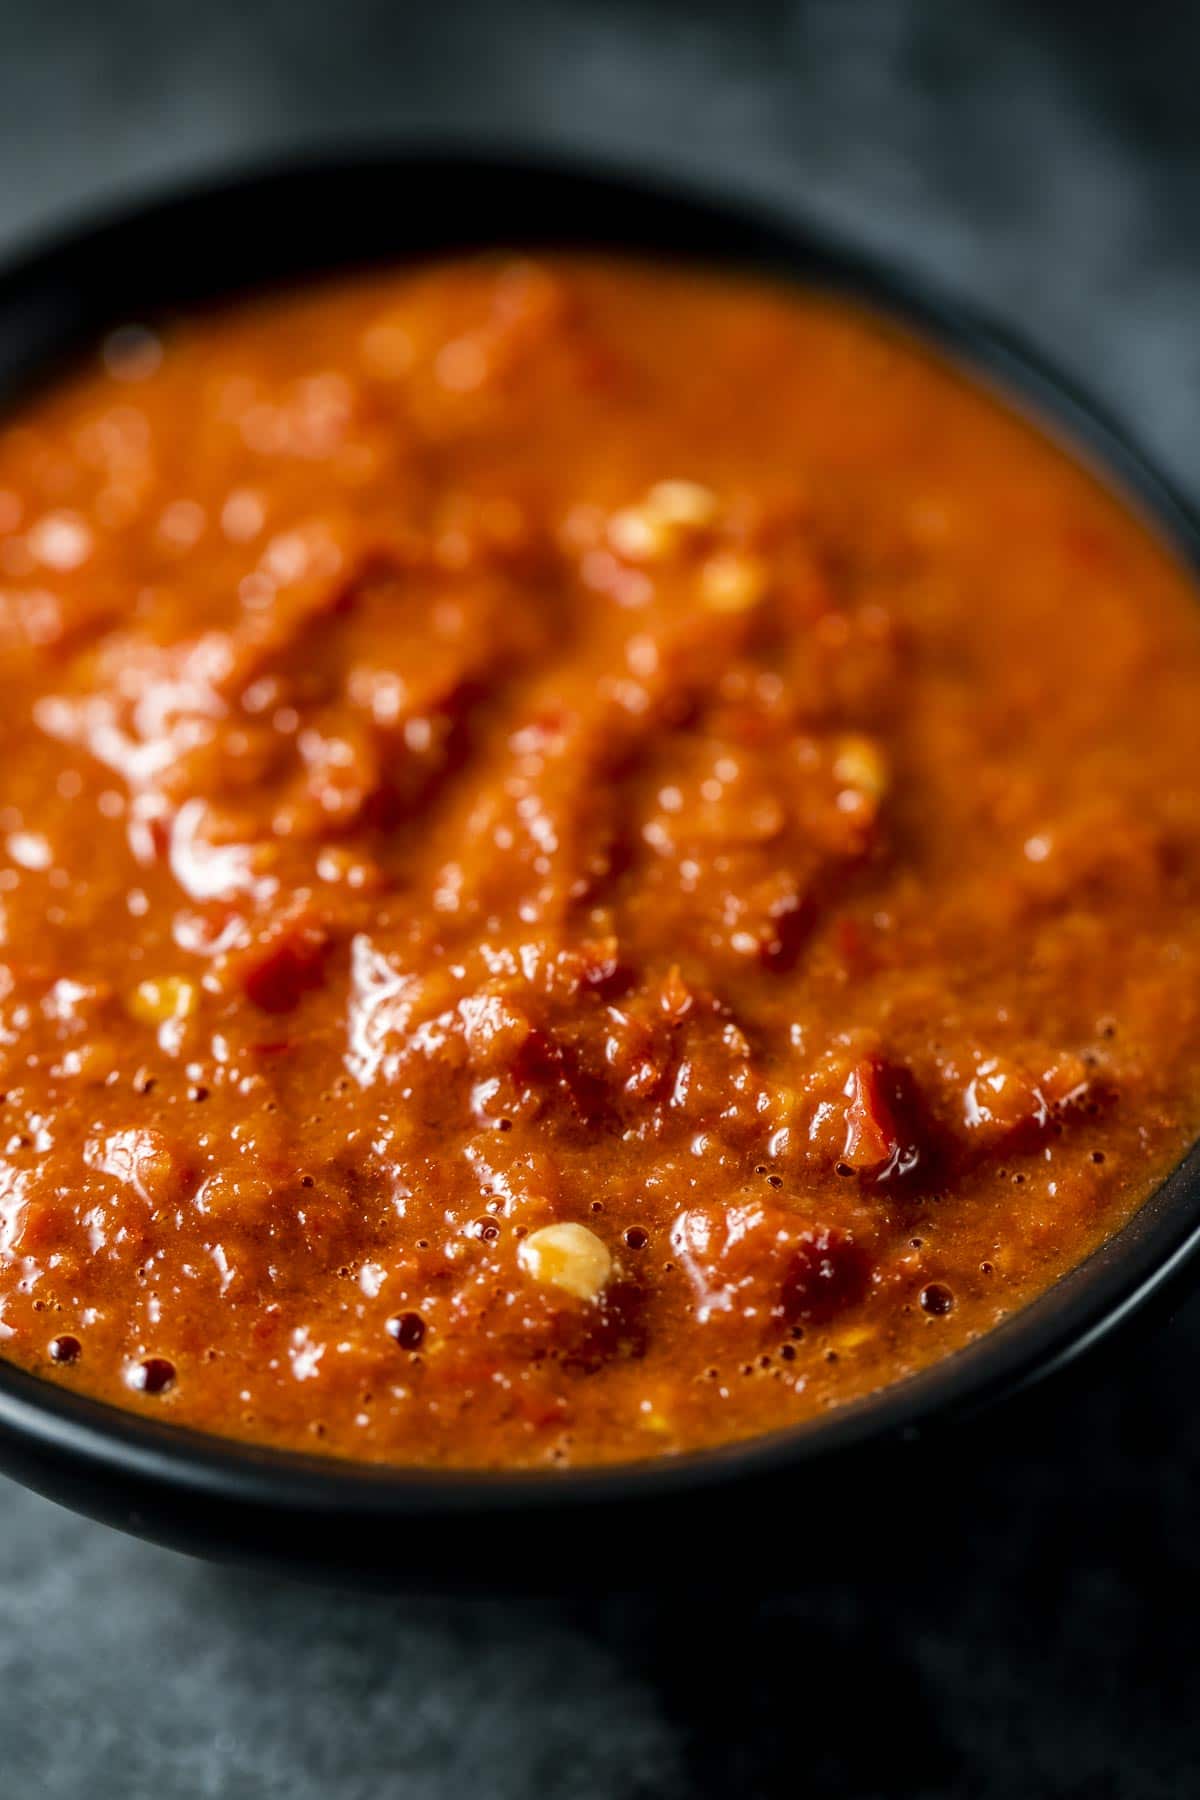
(1036, 1636)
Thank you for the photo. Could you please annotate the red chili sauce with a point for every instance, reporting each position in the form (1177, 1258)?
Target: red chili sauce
(594, 859)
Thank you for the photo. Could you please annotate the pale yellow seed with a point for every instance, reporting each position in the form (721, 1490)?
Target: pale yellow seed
(682, 503)
(169, 997)
(637, 535)
(566, 1256)
(652, 530)
(860, 764)
(731, 583)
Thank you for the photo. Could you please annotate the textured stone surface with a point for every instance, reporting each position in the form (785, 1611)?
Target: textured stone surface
(1037, 1638)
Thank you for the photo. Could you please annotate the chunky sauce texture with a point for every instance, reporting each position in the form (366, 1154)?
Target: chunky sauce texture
(594, 859)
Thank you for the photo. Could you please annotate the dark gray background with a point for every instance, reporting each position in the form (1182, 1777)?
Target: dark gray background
(1038, 1637)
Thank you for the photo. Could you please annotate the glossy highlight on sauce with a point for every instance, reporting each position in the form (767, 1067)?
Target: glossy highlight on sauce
(594, 859)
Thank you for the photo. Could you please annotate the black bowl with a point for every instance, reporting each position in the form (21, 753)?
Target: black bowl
(437, 1528)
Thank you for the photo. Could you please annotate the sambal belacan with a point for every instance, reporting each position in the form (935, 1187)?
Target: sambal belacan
(594, 859)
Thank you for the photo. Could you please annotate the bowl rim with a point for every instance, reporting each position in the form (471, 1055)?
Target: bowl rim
(1145, 1263)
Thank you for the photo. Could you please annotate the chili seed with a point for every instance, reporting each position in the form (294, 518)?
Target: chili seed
(567, 1256)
